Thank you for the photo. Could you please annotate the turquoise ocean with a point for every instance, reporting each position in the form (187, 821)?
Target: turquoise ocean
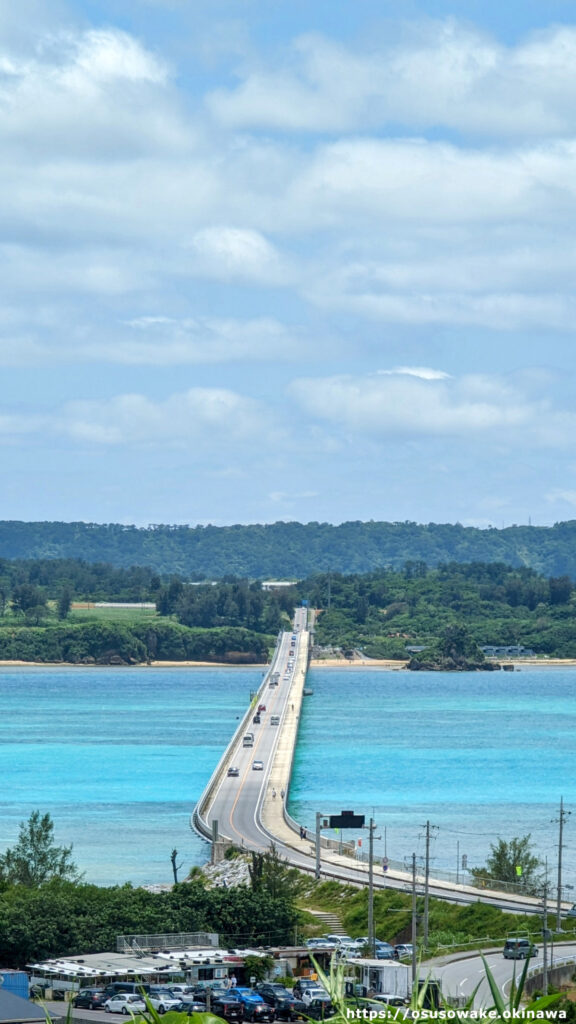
(120, 756)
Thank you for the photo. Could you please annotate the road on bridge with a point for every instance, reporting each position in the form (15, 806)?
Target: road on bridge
(249, 808)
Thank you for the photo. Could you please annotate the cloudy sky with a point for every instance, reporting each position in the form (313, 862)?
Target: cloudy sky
(284, 259)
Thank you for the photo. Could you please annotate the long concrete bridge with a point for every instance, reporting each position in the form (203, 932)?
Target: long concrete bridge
(250, 809)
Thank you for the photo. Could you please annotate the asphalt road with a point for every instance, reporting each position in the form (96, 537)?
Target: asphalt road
(459, 977)
(238, 801)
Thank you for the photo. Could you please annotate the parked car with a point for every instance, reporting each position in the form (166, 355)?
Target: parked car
(233, 772)
(403, 950)
(285, 1005)
(134, 987)
(91, 998)
(190, 1006)
(163, 999)
(255, 1007)
(126, 1003)
(385, 952)
(318, 1009)
(228, 1007)
(307, 993)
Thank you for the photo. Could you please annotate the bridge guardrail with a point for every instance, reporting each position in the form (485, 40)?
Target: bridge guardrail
(325, 844)
(197, 820)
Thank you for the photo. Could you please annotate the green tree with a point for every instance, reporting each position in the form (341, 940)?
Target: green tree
(36, 859)
(27, 597)
(64, 603)
(271, 874)
(511, 862)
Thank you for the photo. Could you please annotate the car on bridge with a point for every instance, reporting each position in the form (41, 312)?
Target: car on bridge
(257, 766)
(233, 772)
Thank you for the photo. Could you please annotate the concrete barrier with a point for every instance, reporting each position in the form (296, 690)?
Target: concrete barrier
(198, 820)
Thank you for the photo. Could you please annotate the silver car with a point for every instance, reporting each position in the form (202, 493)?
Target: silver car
(126, 1003)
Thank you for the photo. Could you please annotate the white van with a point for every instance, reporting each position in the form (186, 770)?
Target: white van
(248, 740)
(275, 720)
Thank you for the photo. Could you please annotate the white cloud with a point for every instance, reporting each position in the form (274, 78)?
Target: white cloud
(400, 405)
(204, 418)
(423, 372)
(82, 93)
(440, 74)
(203, 340)
(42, 338)
(228, 252)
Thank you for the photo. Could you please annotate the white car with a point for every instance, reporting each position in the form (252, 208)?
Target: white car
(166, 1000)
(314, 992)
(257, 766)
(126, 1003)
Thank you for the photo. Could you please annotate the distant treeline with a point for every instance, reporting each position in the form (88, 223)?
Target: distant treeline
(385, 612)
(291, 550)
(110, 643)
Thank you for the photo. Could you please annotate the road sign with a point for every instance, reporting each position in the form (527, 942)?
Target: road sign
(346, 819)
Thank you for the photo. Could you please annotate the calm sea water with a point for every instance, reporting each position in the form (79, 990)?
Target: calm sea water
(120, 756)
(479, 755)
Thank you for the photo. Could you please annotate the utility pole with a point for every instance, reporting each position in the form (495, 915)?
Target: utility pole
(545, 935)
(428, 827)
(414, 918)
(562, 817)
(318, 823)
(371, 830)
(371, 887)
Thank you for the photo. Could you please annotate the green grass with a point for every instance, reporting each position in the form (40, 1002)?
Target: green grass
(449, 924)
(126, 615)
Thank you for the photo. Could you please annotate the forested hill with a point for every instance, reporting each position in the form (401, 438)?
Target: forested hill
(292, 550)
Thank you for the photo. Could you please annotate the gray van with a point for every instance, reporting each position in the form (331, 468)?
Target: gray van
(519, 949)
(132, 987)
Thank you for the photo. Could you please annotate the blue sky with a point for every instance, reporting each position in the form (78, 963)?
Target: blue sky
(275, 259)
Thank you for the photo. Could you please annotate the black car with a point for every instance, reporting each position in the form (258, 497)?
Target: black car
(285, 1005)
(191, 1006)
(319, 1009)
(91, 998)
(229, 1008)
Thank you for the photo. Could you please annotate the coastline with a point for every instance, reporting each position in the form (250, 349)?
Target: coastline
(340, 663)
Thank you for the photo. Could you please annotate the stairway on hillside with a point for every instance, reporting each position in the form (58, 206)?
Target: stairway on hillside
(331, 922)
